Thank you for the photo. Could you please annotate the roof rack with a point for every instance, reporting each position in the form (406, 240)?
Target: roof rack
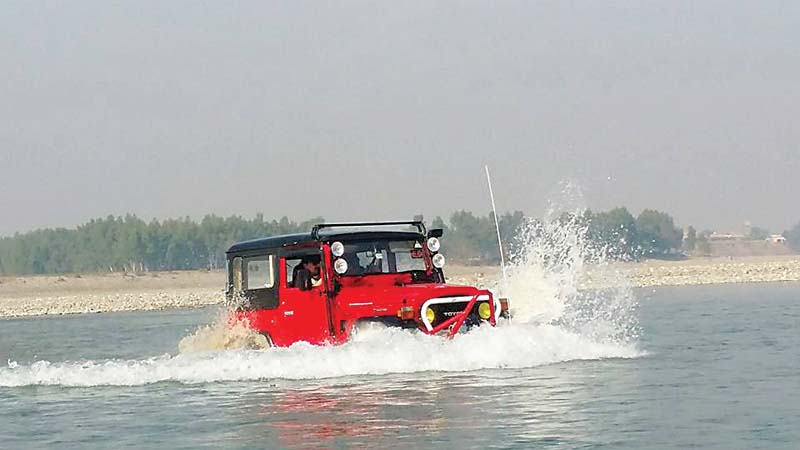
(417, 223)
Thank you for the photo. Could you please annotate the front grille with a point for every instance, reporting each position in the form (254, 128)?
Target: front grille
(445, 311)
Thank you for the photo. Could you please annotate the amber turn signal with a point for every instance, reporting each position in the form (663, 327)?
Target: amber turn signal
(406, 313)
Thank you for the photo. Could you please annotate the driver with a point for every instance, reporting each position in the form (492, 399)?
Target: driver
(376, 265)
(311, 264)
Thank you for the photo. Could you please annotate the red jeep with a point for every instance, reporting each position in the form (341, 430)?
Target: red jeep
(316, 287)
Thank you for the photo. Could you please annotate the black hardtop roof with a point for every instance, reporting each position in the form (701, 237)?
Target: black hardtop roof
(270, 242)
(284, 240)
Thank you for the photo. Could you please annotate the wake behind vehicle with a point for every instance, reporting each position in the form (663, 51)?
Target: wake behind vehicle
(319, 286)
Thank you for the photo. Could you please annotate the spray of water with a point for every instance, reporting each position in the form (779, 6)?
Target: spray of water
(223, 334)
(555, 319)
(559, 277)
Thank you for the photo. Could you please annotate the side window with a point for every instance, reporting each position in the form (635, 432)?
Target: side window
(291, 264)
(237, 274)
(259, 273)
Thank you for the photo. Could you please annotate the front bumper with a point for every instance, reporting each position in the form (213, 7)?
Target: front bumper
(456, 318)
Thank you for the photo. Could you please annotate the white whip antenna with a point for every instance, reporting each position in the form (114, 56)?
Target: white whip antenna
(497, 228)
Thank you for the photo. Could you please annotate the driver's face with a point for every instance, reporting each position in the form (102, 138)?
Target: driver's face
(312, 267)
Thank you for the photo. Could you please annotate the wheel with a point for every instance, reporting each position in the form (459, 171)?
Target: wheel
(261, 341)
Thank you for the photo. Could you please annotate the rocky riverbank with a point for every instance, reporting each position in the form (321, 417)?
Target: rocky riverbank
(78, 294)
(48, 295)
(714, 271)
(663, 273)
(118, 301)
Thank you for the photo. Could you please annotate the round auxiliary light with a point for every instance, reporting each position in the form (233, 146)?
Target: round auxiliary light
(430, 315)
(340, 266)
(484, 311)
(337, 248)
(438, 260)
(434, 244)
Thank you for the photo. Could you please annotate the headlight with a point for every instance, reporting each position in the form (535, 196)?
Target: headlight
(340, 266)
(484, 311)
(337, 248)
(430, 315)
(438, 260)
(434, 244)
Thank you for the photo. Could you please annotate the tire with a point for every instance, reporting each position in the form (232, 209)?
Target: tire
(262, 341)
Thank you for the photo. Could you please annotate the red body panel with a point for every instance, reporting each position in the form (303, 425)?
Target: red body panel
(300, 316)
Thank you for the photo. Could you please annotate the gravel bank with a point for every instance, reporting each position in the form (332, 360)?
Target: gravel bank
(665, 273)
(119, 301)
(92, 293)
(717, 272)
(34, 296)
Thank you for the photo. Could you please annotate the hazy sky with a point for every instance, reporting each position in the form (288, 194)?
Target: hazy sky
(379, 110)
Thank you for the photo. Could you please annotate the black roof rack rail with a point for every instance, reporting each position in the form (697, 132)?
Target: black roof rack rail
(417, 223)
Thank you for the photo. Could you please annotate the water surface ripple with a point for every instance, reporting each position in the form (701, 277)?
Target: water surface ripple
(715, 367)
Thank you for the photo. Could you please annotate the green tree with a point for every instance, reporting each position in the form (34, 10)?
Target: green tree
(438, 222)
(615, 231)
(793, 237)
(758, 234)
(658, 235)
(691, 239)
(510, 226)
(463, 239)
(703, 246)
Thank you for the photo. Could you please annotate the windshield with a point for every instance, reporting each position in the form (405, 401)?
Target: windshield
(383, 257)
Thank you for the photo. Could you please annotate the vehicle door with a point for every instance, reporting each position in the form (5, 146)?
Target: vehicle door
(304, 311)
(256, 288)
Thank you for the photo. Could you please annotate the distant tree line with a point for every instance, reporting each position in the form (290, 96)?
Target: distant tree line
(471, 239)
(130, 244)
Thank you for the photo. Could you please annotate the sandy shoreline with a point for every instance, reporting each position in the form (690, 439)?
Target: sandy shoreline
(91, 293)
(760, 269)
(75, 294)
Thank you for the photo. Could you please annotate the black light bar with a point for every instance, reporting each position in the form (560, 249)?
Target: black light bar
(417, 223)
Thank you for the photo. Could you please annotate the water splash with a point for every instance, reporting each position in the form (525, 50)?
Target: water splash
(222, 334)
(559, 277)
(372, 352)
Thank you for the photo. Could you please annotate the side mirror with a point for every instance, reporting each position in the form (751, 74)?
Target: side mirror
(435, 232)
(302, 280)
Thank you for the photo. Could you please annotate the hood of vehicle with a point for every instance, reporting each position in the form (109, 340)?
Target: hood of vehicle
(397, 296)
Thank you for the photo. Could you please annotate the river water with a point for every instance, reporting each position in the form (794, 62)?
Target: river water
(711, 367)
